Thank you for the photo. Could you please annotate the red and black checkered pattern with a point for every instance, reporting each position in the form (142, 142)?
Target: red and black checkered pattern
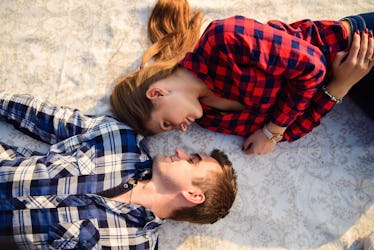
(276, 70)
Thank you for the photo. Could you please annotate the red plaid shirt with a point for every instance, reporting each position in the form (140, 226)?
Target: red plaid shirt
(276, 70)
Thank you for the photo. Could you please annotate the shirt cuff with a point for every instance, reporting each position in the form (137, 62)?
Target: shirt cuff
(284, 117)
(320, 103)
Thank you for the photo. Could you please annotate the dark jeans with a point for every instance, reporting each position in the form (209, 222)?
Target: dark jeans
(362, 93)
(361, 21)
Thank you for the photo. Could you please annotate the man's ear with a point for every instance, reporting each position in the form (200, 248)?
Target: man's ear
(194, 196)
(154, 92)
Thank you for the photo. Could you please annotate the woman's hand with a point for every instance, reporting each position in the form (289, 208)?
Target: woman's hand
(349, 69)
(257, 143)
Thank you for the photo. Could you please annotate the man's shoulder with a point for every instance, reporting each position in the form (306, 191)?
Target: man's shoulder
(112, 122)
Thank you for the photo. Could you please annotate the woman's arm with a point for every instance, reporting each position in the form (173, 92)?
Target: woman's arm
(42, 120)
(299, 64)
(348, 69)
(346, 72)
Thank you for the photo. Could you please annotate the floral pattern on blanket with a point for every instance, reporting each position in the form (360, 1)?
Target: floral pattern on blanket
(315, 193)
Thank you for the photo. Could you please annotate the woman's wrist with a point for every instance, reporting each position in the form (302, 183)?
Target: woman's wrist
(337, 90)
(333, 98)
(273, 132)
(275, 129)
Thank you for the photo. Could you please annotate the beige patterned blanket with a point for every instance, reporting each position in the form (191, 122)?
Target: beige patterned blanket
(315, 193)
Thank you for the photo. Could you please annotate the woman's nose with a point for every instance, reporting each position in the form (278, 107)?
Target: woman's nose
(183, 127)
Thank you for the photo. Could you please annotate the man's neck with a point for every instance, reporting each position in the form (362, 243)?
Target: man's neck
(145, 194)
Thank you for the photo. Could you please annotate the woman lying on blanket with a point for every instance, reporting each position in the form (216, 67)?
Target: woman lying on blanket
(267, 82)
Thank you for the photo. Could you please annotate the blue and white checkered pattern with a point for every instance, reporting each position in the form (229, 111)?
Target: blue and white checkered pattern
(49, 200)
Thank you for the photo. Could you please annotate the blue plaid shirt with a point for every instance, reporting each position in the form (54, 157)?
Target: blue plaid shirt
(49, 200)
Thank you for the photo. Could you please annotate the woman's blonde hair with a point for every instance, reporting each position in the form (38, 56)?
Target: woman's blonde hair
(174, 31)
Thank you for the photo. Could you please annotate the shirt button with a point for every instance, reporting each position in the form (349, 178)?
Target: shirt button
(125, 185)
(143, 157)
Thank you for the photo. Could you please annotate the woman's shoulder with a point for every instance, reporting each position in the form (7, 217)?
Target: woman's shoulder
(232, 24)
(232, 21)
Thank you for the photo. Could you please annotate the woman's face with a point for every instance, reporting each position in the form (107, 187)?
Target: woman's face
(173, 110)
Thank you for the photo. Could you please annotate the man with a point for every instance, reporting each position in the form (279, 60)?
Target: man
(97, 186)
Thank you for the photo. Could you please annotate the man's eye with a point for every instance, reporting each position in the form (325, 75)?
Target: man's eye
(191, 160)
(194, 159)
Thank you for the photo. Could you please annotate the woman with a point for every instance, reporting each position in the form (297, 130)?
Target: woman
(266, 82)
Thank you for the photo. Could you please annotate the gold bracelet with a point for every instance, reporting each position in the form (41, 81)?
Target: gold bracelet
(275, 137)
(333, 98)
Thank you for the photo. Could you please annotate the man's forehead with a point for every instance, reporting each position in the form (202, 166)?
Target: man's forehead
(207, 158)
(210, 160)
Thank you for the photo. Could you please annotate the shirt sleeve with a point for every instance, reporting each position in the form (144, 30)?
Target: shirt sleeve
(300, 65)
(42, 120)
(319, 106)
(330, 37)
(275, 53)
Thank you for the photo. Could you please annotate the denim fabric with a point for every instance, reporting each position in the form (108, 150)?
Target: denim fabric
(361, 21)
(363, 92)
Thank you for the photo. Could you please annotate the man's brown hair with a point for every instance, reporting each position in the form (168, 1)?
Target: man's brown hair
(220, 190)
